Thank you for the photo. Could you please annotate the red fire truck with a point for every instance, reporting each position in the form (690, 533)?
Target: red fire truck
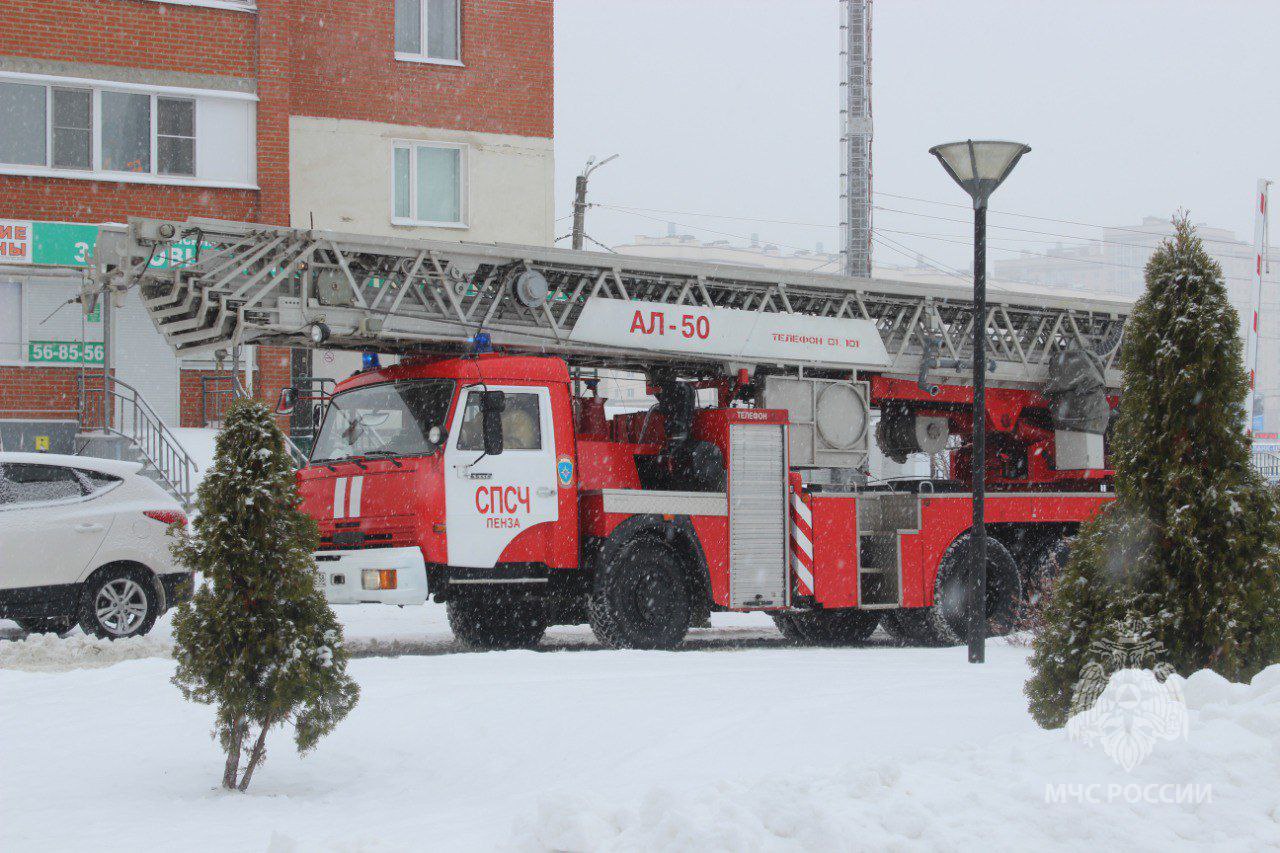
(488, 470)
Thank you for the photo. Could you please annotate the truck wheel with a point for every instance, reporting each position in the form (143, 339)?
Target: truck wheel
(496, 618)
(789, 627)
(640, 598)
(892, 627)
(943, 624)
(827, 627)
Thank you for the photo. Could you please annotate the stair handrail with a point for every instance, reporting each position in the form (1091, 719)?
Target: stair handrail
(1267, 463)
(158, 445)
(296, 453)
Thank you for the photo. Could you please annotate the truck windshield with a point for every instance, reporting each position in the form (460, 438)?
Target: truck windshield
(394, 419)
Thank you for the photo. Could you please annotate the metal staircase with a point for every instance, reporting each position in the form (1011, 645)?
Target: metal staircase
(123, 425)
(241, 283)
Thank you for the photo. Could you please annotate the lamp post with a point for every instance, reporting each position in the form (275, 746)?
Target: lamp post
(580, 198)
(979, 167)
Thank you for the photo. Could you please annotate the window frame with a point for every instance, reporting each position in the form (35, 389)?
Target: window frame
(23, 312)
(476, 392)
(231, 5)
(96, 172)
(423, 57)
(412, 220)
(82, 483)
(51, 125)
(194, 137)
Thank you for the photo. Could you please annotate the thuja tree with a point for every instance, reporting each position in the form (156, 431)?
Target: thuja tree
(257, 641)
(1190, 548)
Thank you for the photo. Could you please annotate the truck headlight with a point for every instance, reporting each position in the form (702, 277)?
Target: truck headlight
(378, 578)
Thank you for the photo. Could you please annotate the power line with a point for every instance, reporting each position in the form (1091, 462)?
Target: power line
(1043, 218)
(1037, 255)
(1055, 234)
(1043, 233)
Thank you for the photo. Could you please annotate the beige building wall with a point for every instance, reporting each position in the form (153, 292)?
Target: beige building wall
(340, 178)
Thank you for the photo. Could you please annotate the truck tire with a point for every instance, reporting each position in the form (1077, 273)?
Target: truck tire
(943, 624)
(828, 627)
(892, 627)
(789, 627)
(496, 618)
(640, 597)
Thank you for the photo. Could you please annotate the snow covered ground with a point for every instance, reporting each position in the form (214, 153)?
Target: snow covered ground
(740, 742)
(737, 742)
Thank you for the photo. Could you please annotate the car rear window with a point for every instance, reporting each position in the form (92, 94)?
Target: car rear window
(98, 481)
(26, 483)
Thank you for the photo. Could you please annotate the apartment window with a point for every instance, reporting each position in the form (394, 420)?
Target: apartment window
(10, 321)
(105, 132)
(23, 132)
(429, 184)
(176, 136)
(126, 132)
(72, 129)
(428, 31)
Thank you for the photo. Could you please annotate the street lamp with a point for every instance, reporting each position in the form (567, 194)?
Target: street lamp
(580, 198)
(979, 167)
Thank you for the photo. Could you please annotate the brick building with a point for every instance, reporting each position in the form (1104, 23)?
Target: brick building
(396, 117)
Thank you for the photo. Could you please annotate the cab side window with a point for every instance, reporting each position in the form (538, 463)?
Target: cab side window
(521, 423)
(24, 483)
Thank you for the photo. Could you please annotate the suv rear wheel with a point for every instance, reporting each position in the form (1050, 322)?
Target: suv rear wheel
(119, 602)
(47, 625)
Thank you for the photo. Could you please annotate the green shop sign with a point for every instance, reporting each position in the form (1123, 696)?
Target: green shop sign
(64, 352)
(69, 244)
(58, 244)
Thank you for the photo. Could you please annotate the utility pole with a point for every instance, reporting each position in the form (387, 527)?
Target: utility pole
(855, 135)
(580, 198)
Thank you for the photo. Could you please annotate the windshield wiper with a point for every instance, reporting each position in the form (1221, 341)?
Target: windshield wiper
(383, 454)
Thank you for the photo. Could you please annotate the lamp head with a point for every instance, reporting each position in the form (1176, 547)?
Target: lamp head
(979, 166)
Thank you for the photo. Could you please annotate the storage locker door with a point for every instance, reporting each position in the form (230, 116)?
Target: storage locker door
(757, 515)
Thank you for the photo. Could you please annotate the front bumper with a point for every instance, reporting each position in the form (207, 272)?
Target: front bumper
(340, 575)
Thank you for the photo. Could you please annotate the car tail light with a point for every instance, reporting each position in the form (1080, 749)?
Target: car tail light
(378, 578)
(166, 516)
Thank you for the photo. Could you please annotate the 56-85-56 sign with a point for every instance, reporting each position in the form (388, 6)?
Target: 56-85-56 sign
(64, 352)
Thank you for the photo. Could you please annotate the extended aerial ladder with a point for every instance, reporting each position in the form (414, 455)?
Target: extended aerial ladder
(211, 285)
(498, 483)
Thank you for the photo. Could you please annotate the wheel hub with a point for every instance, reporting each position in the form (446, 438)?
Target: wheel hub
(120, 606)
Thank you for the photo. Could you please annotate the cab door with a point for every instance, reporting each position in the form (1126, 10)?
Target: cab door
(493, 501)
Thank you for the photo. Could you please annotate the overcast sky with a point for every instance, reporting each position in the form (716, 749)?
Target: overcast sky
(730, 107)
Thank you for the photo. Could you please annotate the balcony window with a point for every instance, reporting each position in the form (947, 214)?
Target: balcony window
(121, 132)
(23, 133)
(72, 128)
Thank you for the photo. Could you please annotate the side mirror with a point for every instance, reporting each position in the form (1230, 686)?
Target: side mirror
(288, 400)
(492, 405)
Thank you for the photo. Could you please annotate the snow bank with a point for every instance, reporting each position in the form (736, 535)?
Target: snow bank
(1219, 786)
(51, 653)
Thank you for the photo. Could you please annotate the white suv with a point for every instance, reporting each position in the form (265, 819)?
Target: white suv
(83, 541)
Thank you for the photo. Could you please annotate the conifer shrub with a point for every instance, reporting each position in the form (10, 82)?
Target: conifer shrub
(1190, 548)
(258, 640)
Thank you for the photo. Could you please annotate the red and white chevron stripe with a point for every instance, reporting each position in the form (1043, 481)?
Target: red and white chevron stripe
(801, 540)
